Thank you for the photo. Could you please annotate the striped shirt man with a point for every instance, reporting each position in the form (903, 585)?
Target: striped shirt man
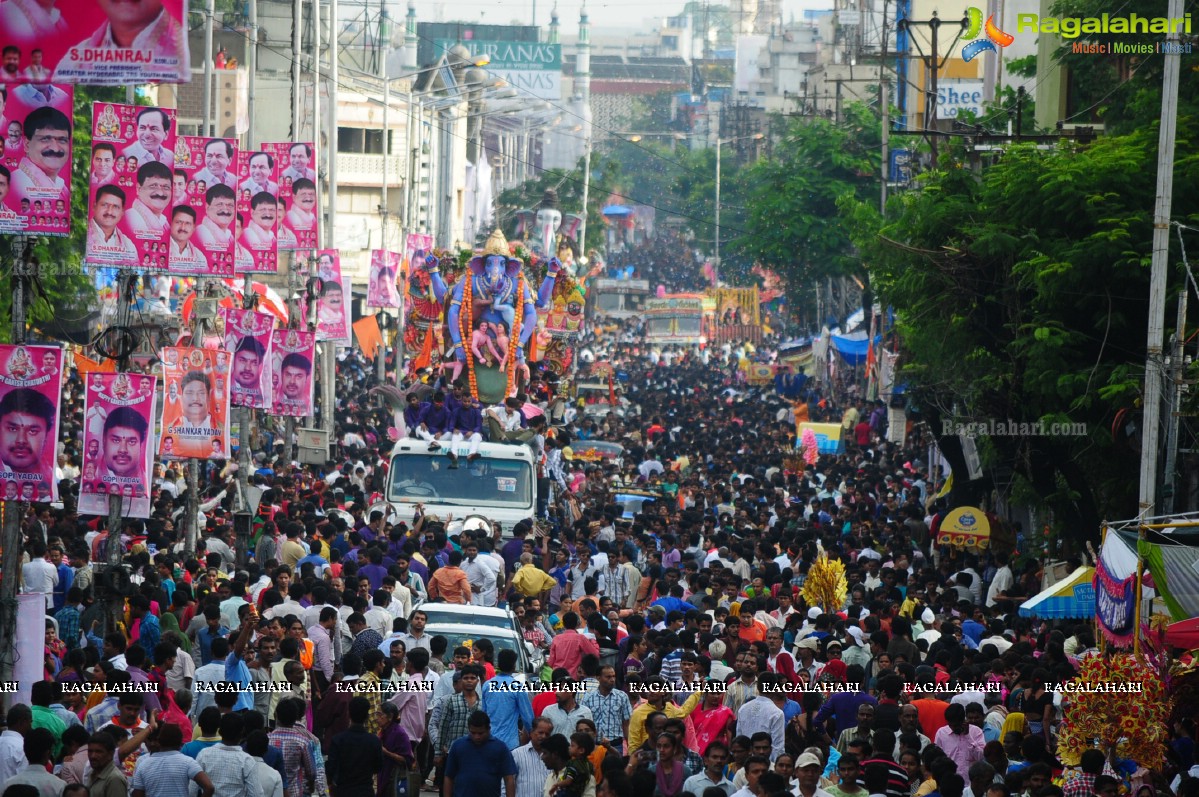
(531, 772)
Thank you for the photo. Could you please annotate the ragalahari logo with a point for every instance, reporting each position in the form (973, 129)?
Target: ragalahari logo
(995, 38)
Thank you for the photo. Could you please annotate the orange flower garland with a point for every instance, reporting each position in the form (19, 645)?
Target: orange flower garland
(465, 324)
(514, 335)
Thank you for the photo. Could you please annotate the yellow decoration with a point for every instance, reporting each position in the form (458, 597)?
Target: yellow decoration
(825, 585)
(1111, 713)
(496, 244)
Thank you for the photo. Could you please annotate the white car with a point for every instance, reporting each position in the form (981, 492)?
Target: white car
(466, 614)
(528, 660)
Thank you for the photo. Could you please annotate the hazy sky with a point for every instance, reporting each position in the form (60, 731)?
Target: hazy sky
(604, 13)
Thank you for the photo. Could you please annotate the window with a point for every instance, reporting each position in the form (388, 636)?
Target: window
(357, 140)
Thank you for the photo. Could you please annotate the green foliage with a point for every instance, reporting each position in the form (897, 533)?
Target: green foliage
(65, 293)
(1020, 295)
(794, 219)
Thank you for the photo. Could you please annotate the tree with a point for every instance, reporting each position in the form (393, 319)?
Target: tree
(1020, 294)
(64, 290)
(793, 219)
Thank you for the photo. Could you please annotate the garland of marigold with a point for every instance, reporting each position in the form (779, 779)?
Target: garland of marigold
(514, 339)
(465, 322)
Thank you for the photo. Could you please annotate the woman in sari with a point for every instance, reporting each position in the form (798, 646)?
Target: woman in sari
(397, 750)
(713, 721)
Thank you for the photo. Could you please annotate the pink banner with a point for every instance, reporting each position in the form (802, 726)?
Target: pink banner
(300, 223)
(258, 187)
(204, 204)
(117, 411)
(128, 225)
(195, 406)
(333, 306)
(104, 43)
(383, 291)
(30, 387)
(35, 179)
(248, 337)
(292, 352)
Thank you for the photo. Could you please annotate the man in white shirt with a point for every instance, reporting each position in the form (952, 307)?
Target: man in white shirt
(260, 233)
(185, 257)
(299, 156)
(141, 26)
(302, 215)
(40, 575)
(147, 217)
(1003, 580)
(218, 154)
(105, 243)
(31, 20)
(153, 125)
(761, 715)
(104, 156)
(483, 574)
(214, 234)
(12, 741)
(262, 166)
(47, 149)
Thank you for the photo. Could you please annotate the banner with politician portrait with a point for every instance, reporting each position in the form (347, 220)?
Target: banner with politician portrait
(96, 42)
(131, 186)
(299, 226)
(203, 205)
(195, 404)
(117, 424)
(292, 353)
(333, 304)
(257, 189)
(248, 339)
(35, 178)
(30, 386)
(382, 289)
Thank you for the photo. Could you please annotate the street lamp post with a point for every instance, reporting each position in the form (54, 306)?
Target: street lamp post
(716, 243)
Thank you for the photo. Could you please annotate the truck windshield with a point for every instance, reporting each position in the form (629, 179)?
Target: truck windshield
(427, 478)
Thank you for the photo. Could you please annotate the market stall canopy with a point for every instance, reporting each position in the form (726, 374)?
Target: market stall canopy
(1184, 634)
(1072, 597)
(853, 349)
(617, 210)
(965, 527)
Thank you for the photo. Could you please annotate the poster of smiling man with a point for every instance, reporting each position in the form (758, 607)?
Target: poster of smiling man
(35, 173)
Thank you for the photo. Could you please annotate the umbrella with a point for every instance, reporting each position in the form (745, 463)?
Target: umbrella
(530, 410)
(268, 300)
(965, 527)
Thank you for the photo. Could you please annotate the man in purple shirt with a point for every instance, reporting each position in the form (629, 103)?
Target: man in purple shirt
(467, 426)
(434, 422)
(375, 570)
(412, 413)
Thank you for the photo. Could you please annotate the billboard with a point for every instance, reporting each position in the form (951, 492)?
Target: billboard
(30, 389)
(118, 411)
(333, 305)
(35, 181)
(248, 337)
(292, 353)
(531, 67)
(128, 224)
(102, 43)
(299, 223)
(203, 207)
(195, 406)
(383, 289)
(258, 177)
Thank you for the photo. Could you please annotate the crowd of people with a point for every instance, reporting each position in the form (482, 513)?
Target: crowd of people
(680, 656)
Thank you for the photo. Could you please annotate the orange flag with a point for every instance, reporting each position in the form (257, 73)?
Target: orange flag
(369, 338)
(86, 365)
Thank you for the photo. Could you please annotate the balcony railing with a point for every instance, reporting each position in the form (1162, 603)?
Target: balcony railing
(358, 169)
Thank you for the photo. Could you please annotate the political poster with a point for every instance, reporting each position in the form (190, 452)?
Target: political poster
(333, 304)
(117, 424)
(299, 226)
(35, 179)
(195, 406)
(382, 290)
(103, 43)
(203, 206)
(257, 187)
(292, 353)
(30, 387)
(416, 246)
(128, 204)
(248, 339)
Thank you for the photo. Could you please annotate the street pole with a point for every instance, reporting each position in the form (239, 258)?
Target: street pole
(244, 449)
(1177, 370)
(586, 192)
(1158, 271)
(192, 505)
(23, 273)
(252, 66)
(297, 30)
(716, 245)
(210, 18)
(885, 108)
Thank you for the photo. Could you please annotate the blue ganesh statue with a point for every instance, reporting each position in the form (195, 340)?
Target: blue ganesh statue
(491, 316)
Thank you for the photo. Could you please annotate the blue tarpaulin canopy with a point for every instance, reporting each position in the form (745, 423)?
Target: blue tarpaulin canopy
(851, 350)
(617, 210)
(1072, 597)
